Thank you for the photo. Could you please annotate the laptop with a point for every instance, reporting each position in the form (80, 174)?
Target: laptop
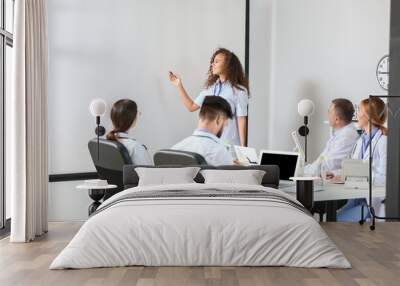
(288, 163)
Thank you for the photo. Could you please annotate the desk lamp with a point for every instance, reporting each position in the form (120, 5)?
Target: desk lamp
(98, 108)
(305, 108)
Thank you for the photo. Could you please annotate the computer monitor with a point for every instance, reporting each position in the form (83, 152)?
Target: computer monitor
(287, 162)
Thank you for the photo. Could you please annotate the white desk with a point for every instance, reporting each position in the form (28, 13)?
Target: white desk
(334, 192)
(96, 193)
(339, 192)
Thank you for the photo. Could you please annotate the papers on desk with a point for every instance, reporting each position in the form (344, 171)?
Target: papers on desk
(245, 155)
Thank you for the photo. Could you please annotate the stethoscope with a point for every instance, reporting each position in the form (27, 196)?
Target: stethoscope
(218, 84)
(205, 136)
(217, 91)
(369, 144)
(124, 135)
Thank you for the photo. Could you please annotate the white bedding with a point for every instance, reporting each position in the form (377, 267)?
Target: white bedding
(200, 231)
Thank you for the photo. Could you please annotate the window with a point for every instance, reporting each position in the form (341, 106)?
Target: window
(9, 19)
(6, 44)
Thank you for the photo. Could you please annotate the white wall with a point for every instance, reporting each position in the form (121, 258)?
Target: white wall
(318, 50)
(66, 203)
(116, 49)
(124, 49)
(260, 67)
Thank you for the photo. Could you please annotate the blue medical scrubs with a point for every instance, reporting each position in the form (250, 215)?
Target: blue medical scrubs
(237, 99)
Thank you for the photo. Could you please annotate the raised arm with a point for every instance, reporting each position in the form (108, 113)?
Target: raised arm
(242, 129)
(187, 101)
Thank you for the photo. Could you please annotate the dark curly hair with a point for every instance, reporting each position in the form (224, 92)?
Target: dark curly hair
(233, 69)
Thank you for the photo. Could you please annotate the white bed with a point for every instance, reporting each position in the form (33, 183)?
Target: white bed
(264, 229)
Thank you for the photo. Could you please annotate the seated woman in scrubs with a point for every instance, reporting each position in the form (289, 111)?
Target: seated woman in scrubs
(124, 117)
(352, 210)
(226, 79)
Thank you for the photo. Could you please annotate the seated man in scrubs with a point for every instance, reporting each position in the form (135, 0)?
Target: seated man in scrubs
(341, 142)
(205, 140)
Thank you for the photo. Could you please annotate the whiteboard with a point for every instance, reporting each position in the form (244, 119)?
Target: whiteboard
(114, 49)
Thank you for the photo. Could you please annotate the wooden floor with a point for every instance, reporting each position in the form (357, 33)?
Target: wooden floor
(375, 257)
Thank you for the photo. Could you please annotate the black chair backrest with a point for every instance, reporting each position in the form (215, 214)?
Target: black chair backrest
(166, 157)
(270, 179)
(109, 158)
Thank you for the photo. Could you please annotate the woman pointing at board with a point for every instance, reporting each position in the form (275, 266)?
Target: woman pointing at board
(226, 79)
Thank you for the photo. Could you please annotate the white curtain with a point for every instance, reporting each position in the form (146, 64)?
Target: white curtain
(27, 132)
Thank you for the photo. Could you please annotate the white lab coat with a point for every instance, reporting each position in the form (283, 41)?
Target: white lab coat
(137, 151)
(379, 162)
(338, 147)
(207, 145)
(379, 156)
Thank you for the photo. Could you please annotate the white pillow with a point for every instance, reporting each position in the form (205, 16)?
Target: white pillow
(248, 177)
(166, 176)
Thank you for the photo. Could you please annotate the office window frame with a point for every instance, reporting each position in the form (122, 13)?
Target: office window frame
(6, 39)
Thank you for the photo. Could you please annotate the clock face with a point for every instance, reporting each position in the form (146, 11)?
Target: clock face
(382, 72)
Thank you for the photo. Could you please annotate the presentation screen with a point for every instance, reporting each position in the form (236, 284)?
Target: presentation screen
(124, 49)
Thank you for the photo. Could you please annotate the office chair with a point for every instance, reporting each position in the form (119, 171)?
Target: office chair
(166, 157)
(109, 161)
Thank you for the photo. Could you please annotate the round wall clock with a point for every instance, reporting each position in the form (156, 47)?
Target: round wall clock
(382, 72)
